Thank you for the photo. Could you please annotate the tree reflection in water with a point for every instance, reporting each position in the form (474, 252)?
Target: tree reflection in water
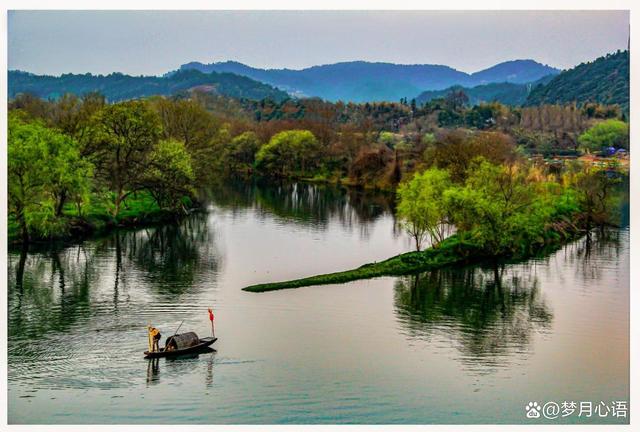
(171, 256)
(493, 313)
(606, 245)
(49, 290)
(313, 205)
(52, 288)
(490, 314)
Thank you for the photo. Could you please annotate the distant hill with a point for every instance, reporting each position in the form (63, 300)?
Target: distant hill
(516, 71)
(116, 86)
(505, 92)
(361, 81)
(604, 80)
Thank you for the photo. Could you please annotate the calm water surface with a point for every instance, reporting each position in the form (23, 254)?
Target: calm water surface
(463, 345)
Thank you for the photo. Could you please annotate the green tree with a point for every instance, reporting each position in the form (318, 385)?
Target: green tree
(421, 207)
(487, 206)
(389, 139)
(44, 169)
(125, 134)
(203, 135)
(510, 208)
(241, 152)
(169, 175)
(608, 133)
(69, 175)
(72, 115)
(289, 152)
(595, 192)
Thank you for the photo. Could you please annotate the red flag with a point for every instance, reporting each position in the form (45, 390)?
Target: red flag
(210, 315)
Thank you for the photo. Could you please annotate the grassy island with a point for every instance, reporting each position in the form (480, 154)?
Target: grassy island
(452, 251)
(501, 212)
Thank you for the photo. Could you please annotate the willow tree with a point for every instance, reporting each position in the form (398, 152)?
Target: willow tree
(44, 170)
(501, 208)
(421, 208)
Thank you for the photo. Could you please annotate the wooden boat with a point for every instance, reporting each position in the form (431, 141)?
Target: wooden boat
(184, 343)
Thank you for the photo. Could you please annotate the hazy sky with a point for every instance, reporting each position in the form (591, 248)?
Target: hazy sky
(154, 42)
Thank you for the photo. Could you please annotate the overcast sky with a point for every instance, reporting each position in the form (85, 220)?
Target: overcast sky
(154, 42)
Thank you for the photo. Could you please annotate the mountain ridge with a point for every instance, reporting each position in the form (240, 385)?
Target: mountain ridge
(355, 81)
(363, 81)
(117, 86)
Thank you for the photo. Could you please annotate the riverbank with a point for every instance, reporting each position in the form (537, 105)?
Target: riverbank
(140, 210)
(454, 250)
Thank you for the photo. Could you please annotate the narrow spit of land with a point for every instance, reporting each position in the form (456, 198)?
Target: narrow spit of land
(452, 251)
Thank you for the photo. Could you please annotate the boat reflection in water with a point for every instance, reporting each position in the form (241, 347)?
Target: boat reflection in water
(184, 363)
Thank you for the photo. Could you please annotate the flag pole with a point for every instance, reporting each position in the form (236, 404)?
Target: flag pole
(211, 319)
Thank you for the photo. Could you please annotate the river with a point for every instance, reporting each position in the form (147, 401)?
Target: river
(461, 345)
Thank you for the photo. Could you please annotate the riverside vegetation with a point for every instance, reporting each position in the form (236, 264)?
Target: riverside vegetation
(80, 165)
(505, 211)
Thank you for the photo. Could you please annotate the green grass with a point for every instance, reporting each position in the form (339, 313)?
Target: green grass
(136, 205)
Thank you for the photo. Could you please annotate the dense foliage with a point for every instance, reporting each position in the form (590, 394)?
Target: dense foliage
(609, 133)
(507, 93)
(84, 164)
(44, 171)
(506, 209)
(288, 152)
(101, 160)
(373, 145)
(604, 80)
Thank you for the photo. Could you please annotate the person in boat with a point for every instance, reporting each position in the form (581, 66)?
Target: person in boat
(154, 339)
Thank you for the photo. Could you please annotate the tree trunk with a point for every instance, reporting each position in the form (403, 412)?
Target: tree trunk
(497, 278)
(21, 265)
(117, 204)
(61, 199)
(24, 229)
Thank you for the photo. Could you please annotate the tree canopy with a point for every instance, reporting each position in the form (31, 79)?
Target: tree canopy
(288, 152)
(44, 170)
(421, 206)
(126, 133)
(608, 133)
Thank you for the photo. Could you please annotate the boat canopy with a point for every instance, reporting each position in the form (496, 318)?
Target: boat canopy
(182, 341)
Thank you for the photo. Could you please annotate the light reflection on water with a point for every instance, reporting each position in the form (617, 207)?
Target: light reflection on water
(456, 345)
